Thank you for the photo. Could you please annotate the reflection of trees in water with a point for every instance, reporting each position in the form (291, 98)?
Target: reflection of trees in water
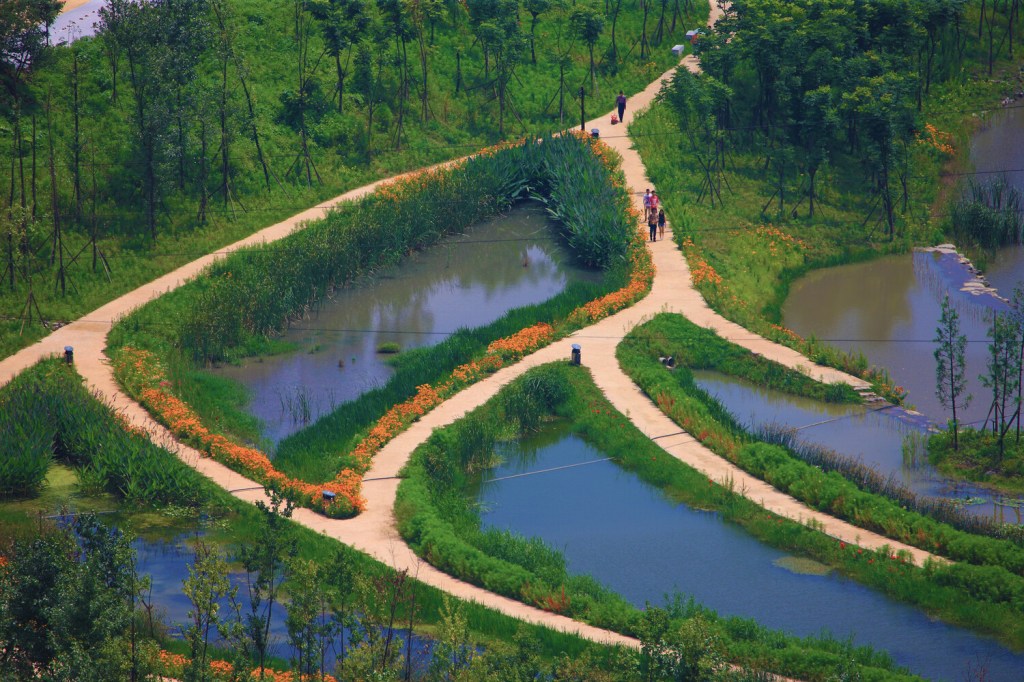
(860, 301)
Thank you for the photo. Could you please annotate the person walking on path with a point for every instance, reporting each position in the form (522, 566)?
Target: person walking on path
(652, 223)
(620, 102)
(654, 203)
(661, 223)
(647, 203)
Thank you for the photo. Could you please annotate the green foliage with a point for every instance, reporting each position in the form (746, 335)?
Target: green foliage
(975, 455)
(49, 414)
(228, 153)
(67, 597)
(989, 215)
(950, 380)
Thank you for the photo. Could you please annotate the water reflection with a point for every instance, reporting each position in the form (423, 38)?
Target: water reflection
(888, 310)
(874, 436)
(465, 282)
(633, 539)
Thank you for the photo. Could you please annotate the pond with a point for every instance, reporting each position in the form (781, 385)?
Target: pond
(889, 308)
(636, 541)
(465, 282)
(874, 436)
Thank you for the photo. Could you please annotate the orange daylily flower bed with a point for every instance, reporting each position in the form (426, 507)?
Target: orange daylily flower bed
(174, 665)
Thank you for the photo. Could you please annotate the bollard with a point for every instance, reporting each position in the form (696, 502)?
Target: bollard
(595, 132)
(69, 355)
(328, 496)
(575, 354)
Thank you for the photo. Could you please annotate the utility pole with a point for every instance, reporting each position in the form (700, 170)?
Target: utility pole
(583, 115)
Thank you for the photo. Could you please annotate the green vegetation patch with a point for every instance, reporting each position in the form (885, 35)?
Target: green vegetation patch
(978, 458)
(241, 302)
(49, 416)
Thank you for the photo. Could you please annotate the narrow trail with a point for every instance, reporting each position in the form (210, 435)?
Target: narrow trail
(373, 531)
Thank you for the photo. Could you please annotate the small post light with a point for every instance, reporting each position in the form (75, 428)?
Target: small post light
(69, 355)
(595, 132)
(328, 496)
(576, 354)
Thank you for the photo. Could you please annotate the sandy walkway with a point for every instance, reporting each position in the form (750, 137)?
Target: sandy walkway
(72, 4)
(374, 531)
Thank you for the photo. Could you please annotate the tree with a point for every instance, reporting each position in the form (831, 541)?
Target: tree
(1003, 374)
(818, 129)
(1017, 316)
(950, 366)
(883, 108)
(343, 24)
(699, 102)
(206, 584)
(588, 24)
(535, 8)
(67, 605)
(264, 561)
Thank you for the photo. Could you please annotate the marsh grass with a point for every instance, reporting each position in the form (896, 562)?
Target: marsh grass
(49, 416)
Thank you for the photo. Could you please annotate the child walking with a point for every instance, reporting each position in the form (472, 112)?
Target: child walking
(661, 223)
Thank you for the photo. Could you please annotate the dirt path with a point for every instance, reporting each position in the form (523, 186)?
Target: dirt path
(374, 531)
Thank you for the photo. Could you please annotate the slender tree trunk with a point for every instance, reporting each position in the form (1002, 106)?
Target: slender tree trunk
(76, 141)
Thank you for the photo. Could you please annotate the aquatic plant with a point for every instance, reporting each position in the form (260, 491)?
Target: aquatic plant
(990, 214)
(47, 413)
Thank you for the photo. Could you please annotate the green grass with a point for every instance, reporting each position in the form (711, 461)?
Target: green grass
(978, 459)
(995, 559)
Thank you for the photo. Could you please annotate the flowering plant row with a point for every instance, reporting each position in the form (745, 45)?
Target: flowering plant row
(175, 665)
(143, 374)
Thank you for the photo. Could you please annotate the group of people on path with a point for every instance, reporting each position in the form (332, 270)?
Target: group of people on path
(653, 213)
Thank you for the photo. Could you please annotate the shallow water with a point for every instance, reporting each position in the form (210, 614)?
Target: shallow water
(76, 23)
(633, 539)
(166, 559)
(888, 309)
(873, 436)
(465, 282)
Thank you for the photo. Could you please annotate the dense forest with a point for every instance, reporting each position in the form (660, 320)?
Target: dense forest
(838, 83)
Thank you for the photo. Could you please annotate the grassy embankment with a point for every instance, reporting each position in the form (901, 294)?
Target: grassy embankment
(979, 459)
(264, 51)
(990, 556)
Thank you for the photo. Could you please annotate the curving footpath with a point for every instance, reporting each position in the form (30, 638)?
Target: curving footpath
(373, 531)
